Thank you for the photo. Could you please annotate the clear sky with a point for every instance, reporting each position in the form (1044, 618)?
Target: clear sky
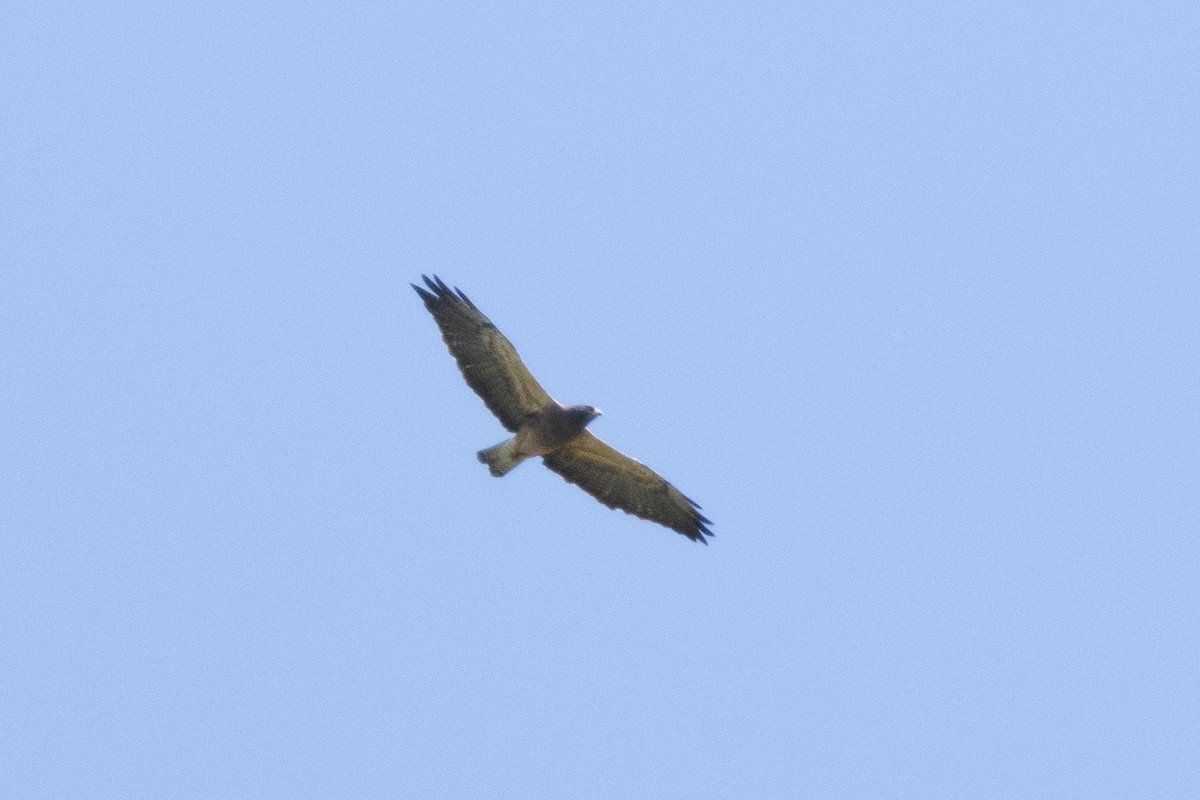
(906, 295)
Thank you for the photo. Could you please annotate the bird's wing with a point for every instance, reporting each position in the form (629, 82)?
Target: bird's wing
(622, 482)
(487, 360)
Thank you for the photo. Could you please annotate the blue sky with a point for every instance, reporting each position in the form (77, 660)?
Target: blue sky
(905, 295)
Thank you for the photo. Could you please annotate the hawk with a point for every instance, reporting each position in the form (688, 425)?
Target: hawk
(544, 428)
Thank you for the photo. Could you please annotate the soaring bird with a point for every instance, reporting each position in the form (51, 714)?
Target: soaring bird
(543, 427)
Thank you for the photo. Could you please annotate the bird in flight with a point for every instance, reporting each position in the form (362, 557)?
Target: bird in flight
(544, 428)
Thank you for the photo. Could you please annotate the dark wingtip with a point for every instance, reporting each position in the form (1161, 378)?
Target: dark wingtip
(438, 289)
(426, 296)
(700, 528)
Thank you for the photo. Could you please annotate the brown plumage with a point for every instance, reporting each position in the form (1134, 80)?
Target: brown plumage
(544, 428)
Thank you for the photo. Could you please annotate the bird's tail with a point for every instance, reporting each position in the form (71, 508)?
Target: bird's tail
(502, 457)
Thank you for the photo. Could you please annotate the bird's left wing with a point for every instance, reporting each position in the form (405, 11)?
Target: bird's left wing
(486, 358)
(618, 481)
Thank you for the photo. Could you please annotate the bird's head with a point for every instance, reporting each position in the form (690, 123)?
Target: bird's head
(585, 414)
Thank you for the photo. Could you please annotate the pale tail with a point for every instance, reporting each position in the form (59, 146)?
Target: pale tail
(502, 457)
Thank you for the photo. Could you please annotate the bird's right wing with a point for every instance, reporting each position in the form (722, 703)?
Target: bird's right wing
(622, 482)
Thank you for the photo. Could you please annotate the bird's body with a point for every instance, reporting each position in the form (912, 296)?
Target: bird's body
(541, 434)
(543, 427)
